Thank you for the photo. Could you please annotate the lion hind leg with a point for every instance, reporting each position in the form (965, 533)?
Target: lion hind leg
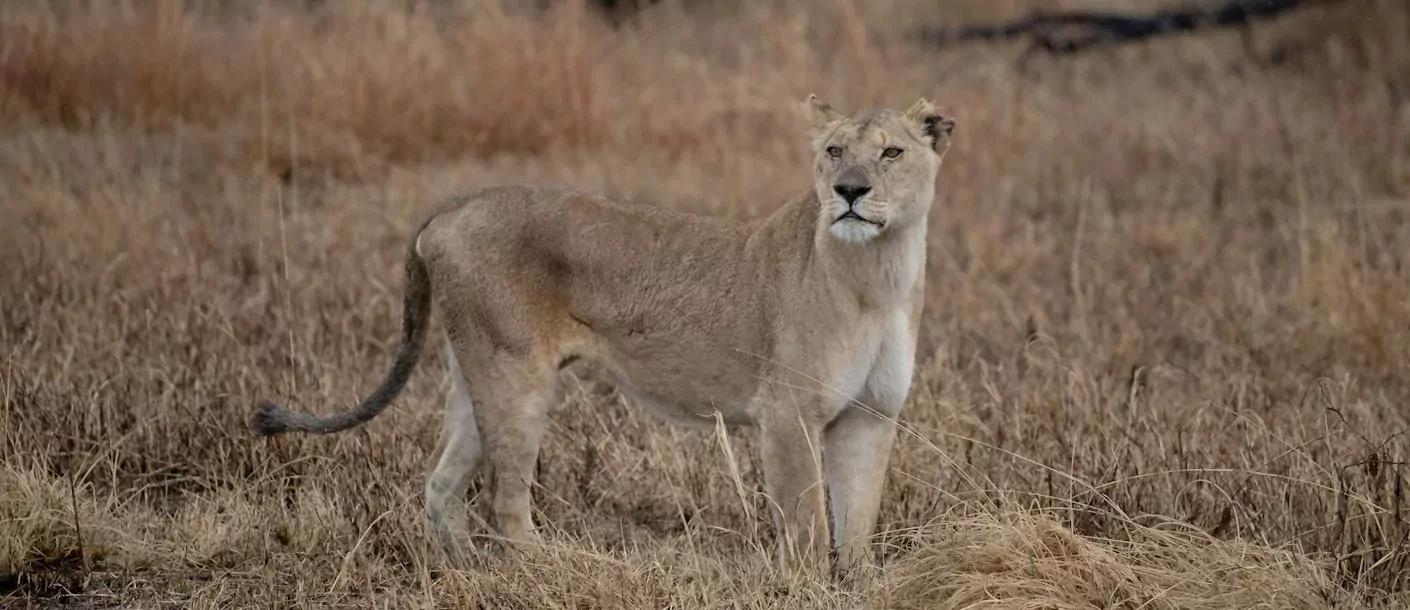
(514, 396)
(458, 458)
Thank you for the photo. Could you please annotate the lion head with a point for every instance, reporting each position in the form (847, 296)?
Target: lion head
(874, 170)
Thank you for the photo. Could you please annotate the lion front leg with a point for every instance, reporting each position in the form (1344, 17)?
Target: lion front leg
(858, 446)
(791, 452)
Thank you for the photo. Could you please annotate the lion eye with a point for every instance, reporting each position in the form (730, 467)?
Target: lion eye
(834, 152)
(891, 152)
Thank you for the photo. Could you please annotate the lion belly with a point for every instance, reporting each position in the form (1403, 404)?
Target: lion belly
(688, 412)
(681, 389)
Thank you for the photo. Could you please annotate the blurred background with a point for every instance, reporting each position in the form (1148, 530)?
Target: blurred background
(1163, 362)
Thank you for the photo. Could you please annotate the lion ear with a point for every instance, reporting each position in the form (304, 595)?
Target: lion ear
(934, 127)
(819, 113)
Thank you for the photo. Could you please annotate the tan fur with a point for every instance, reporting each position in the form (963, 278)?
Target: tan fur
(784, 323)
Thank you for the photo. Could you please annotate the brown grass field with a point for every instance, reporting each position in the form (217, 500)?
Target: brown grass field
(1164, 362)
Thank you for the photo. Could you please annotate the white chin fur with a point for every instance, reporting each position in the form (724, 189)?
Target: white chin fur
(854, 231)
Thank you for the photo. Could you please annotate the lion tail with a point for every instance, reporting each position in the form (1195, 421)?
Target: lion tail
(273, 419)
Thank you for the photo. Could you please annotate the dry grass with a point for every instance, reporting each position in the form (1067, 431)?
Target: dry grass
(1163, 365)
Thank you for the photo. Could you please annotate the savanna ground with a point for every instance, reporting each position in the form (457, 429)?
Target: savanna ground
(1163, 364)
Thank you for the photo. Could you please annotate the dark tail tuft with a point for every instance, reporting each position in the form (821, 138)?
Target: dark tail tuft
(269, 420)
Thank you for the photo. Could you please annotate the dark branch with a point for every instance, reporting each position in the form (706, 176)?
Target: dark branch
(1097, 29)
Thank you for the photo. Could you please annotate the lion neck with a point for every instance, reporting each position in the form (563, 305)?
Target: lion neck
(881, 272)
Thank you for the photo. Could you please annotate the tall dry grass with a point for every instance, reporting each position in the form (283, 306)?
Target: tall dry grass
(1163, 363)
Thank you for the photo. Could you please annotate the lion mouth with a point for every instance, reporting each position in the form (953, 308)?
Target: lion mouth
(853, 215)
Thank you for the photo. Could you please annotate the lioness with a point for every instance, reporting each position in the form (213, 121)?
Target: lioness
(802, 323)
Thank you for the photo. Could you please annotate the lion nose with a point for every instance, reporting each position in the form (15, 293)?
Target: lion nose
(851, 191)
